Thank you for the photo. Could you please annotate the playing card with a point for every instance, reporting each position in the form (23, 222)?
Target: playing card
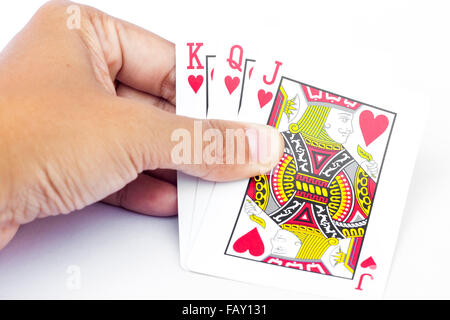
(191, 101)
(229, 72)
(260, 89)
(224, 87)
(326, 218)
(210, 68)
(204, 188)
(319, 197)
(248, 72)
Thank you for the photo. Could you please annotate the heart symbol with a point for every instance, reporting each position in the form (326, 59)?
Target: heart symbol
(372, 127)
(232, 83)
(250, 241)
(369, 263)
(195, 82)
(264, 97)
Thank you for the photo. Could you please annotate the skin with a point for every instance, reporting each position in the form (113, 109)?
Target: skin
(87, 115)
(339, 125)
(285, 243)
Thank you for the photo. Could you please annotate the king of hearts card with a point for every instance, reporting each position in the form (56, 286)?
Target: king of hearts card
(312, 211)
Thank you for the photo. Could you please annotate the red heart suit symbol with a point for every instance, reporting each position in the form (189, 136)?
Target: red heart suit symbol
(372, 127)
(232, 83)
(369, 263)
(264, 97)
(250, 241)
(195, 82)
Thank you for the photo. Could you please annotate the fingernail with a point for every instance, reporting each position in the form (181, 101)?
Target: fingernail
(265, 144)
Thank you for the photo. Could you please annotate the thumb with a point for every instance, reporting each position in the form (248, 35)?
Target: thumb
(216, 150)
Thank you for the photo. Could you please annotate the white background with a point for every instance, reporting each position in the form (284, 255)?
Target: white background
(390, 45)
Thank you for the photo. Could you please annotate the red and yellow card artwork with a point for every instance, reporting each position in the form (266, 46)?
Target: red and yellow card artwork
(312, 211)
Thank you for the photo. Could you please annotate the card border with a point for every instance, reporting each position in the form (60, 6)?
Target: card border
(207, 82)
(243, 83)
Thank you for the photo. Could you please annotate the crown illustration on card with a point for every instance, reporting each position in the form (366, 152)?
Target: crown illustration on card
(316, 97)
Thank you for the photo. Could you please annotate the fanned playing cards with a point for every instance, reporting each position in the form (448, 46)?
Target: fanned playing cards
(325, 219)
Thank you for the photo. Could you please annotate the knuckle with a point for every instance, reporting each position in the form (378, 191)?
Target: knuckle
(213, 172)
(230, 149)
(206, 171)
(168, 86)
(51, 10)
(214, 144)
(51, 5)
(122, 196)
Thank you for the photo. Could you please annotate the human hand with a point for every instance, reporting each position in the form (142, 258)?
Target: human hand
(87, 114)
(370, 167)
(251, 208)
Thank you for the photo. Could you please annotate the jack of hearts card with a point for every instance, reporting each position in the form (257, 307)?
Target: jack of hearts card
(325, 220)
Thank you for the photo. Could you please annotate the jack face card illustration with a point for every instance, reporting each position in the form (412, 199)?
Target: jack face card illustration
(311, 213)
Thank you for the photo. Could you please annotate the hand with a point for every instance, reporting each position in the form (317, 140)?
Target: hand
(370, 167)
(251, 208)
(87, 114)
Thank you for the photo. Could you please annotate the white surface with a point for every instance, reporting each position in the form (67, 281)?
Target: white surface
(125, 255)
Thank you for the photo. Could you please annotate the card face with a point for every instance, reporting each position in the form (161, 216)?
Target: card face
(312, 211)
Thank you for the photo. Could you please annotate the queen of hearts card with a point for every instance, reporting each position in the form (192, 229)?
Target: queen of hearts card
(312, 211)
